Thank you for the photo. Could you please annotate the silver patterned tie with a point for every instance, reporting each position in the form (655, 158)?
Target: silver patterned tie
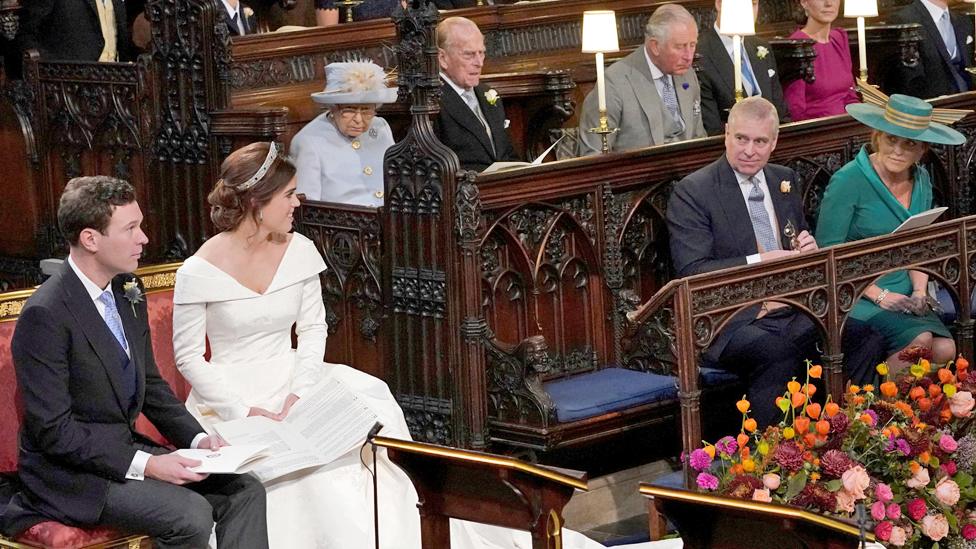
(670, 100)
(472, 102)
(760, 218)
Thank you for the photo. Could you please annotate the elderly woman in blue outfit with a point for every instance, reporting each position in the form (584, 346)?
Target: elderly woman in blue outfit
(339, 155)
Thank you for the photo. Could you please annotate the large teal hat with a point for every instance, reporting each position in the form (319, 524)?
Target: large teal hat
(908, 117)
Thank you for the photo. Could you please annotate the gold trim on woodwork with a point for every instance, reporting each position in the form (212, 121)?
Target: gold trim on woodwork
(478, 457)
(155, 278)
(158, 278)
(749, 505)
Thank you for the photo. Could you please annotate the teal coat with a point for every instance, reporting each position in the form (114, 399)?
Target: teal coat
(858, 205)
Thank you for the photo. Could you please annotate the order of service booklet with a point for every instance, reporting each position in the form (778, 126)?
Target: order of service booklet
(920, 219)
(228, 459)
(322, 426)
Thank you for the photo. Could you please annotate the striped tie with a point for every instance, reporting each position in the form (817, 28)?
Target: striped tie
(760, 218)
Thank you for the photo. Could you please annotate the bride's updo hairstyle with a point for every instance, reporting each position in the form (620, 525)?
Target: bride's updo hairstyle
(249, 178)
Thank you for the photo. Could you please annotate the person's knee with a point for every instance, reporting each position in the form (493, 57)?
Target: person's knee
(923, 339)
(195, 522)
(943, 349)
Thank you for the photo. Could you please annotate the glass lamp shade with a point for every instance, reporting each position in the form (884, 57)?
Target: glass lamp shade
(600, 32)
(860, 8)
(737, 18)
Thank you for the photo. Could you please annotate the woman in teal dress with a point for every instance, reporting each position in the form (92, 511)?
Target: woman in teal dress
(873, 194)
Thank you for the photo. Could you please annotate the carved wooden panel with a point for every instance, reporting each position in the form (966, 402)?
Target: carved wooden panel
(349, 240)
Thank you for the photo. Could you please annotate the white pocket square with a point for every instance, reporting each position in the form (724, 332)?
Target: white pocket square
(507, 123)
(772, 73)
(969, 39)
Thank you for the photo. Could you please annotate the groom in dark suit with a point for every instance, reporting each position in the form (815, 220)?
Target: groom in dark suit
(85, 369)
(732, 212)
(472, 118)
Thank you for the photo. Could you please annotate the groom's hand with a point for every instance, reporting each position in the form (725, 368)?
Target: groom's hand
(173, 468)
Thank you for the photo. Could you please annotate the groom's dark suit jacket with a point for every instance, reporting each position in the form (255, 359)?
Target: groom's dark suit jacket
(710, 227)
(459, 128)
(78, 433)
(932, 76)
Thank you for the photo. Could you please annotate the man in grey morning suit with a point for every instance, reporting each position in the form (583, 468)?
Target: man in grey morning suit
(652, 94)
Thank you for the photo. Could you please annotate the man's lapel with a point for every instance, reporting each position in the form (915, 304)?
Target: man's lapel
(783, 211)
(687, 97)
(723, 63)
(760, 67)
(959, 25)
(96, 331)
(456, 108)
(133, 334)
(496, 125)
(650, 100)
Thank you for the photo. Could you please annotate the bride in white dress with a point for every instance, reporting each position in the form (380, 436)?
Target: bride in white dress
(242, 292)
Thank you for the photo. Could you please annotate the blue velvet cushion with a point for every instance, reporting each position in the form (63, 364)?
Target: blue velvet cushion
(607, 390)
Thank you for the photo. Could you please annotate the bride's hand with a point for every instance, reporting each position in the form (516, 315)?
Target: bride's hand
(290, 401)
(255, 411)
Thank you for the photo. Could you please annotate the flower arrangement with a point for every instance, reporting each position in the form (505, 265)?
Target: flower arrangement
(762, 52)
(905, 451)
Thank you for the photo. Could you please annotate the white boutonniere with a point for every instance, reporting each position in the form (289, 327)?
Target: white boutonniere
(784, 186)
(248, 12)
(761, 52)
(133, 293)
(491, 96)
(969, 39)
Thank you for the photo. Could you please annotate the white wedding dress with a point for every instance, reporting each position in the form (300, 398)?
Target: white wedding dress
(252, 363)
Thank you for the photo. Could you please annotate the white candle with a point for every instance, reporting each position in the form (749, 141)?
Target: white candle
(862, 50)
(601, 90)
(737, 62)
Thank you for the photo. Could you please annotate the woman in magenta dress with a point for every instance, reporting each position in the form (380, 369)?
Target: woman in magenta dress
(834, 84)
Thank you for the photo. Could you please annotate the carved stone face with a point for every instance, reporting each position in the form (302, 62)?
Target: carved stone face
(537, 354)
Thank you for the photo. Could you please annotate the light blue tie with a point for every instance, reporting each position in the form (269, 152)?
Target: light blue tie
(760, 219)
(112, 318)
(748, 76)
(948, 34)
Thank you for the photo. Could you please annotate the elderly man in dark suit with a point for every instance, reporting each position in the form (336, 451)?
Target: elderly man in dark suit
(472, 118)
(717, 78)
(944, 53)
(652, 94)
(85, 369)
(75, 30)
(733, 212)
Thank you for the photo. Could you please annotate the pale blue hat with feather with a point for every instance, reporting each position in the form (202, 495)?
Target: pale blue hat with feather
(355, 83)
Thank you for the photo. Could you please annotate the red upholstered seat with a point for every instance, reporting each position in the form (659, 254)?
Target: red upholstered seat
(161, 327)
(51, 534)
(54, 535)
